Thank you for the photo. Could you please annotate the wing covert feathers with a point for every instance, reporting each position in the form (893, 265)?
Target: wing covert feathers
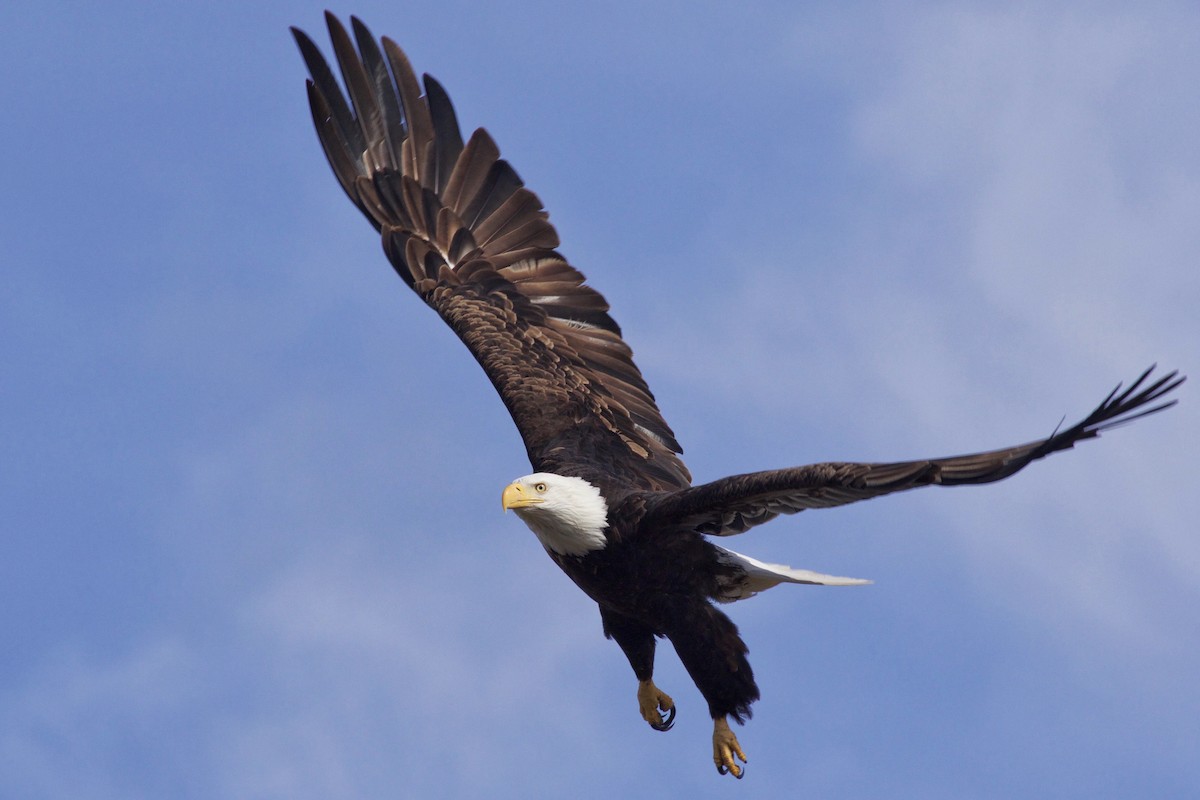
(461, 229)
(735, 504)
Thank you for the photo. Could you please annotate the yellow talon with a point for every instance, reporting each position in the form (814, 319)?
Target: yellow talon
(652, 701)
(725, 746)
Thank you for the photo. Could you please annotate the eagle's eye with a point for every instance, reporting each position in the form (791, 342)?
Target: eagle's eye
(539, 487)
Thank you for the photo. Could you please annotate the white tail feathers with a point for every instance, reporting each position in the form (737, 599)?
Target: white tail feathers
(759, 576)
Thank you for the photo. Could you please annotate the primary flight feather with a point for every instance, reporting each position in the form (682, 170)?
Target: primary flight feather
(610, 499)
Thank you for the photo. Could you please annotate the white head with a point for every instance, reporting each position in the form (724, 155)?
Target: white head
(567, 514)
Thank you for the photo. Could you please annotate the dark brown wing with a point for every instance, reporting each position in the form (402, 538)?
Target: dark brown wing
(735, 504)
(460, 229)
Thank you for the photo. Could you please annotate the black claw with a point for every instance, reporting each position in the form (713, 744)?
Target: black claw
(667, 722)
(724, 770)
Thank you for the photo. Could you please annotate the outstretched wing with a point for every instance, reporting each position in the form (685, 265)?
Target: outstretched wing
(460, 229)
(737, 503)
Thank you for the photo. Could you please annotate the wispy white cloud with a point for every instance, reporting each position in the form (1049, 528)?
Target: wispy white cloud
(1059, 265)
(1075, 232)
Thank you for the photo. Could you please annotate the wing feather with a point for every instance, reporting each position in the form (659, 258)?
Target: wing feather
(445, 128)
(735, 504)
(461, 229)
(419, 140)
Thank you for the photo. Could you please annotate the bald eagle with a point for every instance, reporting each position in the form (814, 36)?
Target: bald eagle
(610, 500)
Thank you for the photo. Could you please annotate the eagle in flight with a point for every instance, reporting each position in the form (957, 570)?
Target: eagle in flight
(610, 499)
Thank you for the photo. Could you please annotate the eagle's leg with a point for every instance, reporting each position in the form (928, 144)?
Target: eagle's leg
(637, 642)
(714, 655)
(725, 747)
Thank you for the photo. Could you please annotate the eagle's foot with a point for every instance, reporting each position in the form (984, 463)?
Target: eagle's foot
(725, 746)
(652, 701)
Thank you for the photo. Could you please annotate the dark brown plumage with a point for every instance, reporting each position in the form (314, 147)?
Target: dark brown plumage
(735, 504)
(460, 229)
(463, 232)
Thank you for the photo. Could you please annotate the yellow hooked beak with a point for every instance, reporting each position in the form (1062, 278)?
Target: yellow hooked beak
(517, 496)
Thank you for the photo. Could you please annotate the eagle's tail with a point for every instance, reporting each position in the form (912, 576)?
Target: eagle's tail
(754, 576)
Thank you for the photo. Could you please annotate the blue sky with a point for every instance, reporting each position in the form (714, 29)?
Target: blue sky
(252, 543)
